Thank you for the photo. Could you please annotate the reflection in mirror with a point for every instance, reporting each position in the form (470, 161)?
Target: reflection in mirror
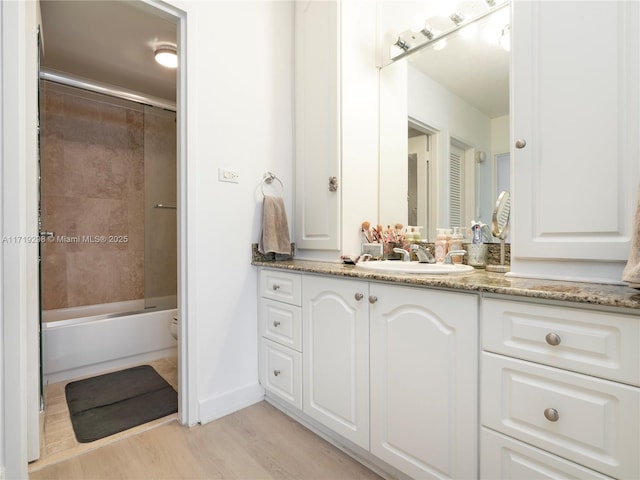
(500, 228)
(456, 101)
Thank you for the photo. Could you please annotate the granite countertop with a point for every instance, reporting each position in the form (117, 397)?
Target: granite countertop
(480, 281)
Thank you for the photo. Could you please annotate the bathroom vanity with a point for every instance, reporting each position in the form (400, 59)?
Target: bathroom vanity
(471, 376)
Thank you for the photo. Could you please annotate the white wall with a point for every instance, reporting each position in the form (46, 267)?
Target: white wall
(239, 67)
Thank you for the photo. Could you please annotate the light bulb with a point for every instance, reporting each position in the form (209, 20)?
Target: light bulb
(167, 57)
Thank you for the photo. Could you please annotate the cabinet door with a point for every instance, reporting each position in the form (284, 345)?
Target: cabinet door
(336, 355)
(575, 102)
(424, 369)
(317, 123)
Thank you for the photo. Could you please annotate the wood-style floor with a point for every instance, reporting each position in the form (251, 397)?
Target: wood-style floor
(258, 442)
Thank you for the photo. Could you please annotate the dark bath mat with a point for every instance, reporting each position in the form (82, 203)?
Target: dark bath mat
(110, 403)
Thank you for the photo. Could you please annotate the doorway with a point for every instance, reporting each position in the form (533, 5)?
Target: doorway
(54, 11)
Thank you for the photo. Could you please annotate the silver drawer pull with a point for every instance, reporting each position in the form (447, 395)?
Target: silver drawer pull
(551, 414)
(275, 287)
(276, 372)
(276, 323)
(373, 299)
(358, 296)
(521, 143)
(553, 339)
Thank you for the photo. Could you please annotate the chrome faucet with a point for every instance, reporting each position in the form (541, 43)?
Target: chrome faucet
(405, 255)
(453, 253)
(423, 253)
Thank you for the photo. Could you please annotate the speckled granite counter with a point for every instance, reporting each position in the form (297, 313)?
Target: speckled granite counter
(481, 281)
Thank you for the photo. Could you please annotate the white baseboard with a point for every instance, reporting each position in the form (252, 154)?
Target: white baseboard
(228, 402)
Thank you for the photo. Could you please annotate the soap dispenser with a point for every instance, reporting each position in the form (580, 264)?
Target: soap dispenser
(442, 245)
(456, 243)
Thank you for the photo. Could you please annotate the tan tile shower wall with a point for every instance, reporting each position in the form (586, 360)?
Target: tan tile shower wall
(92, 170)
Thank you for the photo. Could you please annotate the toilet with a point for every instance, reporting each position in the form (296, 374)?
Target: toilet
(173, 327)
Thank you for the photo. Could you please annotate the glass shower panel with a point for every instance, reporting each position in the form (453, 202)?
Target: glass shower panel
(160, 219)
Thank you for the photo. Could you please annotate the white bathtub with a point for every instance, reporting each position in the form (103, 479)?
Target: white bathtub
(84, 341)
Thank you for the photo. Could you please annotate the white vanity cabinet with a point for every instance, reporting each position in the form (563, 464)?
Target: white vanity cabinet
(424, 418)
(392, 369)
(280, 326)
(575, 122)
(336, 355)
(559, 392)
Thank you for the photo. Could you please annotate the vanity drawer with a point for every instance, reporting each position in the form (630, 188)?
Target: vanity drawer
(282, 286)
(505, 458)
(281, 323)
(596, 343)
(282, 372)
(584, 419)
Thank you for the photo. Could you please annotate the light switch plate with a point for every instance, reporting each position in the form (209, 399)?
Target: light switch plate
(226, 175)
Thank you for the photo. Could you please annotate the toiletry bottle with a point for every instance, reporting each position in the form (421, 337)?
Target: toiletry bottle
(441, 247)
(408, 239)
(456, 243)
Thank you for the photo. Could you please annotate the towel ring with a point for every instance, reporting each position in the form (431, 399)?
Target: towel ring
(268, 179)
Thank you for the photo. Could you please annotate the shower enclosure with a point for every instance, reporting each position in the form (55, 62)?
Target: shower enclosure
(108, 204)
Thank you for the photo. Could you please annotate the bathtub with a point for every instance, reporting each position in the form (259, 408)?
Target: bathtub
(83, 341)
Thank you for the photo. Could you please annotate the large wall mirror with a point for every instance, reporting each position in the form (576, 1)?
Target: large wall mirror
(444, 111)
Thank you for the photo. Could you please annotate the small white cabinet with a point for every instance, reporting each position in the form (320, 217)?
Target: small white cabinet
(575, 118)
(336, 355)
(424, 418)
(564, 381)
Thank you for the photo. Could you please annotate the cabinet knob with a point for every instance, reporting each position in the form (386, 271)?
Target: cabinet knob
(551, 414)
(373, 299)
(275, 286)
(553, 339)
(276, 372)
(358, 296)
(333, 184)
(521, 143)
(276, 323)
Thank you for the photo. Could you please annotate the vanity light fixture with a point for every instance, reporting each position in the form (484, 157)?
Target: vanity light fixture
(457, 18)
(166, 56)
(437, 39)
(402, 44)
(427, 31)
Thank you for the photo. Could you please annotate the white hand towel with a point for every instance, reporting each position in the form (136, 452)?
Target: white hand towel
(631, 273)
(275, 228)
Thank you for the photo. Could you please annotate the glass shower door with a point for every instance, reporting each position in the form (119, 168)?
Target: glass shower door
(160, 229)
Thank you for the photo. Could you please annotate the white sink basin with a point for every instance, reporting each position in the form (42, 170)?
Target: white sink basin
(397, 266)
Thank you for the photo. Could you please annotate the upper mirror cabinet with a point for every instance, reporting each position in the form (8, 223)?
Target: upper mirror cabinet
(444, 111)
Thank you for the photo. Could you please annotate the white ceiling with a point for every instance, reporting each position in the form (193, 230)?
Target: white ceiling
(110, 42)
(472, 69)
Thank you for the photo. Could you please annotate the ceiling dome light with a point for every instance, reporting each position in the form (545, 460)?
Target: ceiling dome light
(167, 56)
